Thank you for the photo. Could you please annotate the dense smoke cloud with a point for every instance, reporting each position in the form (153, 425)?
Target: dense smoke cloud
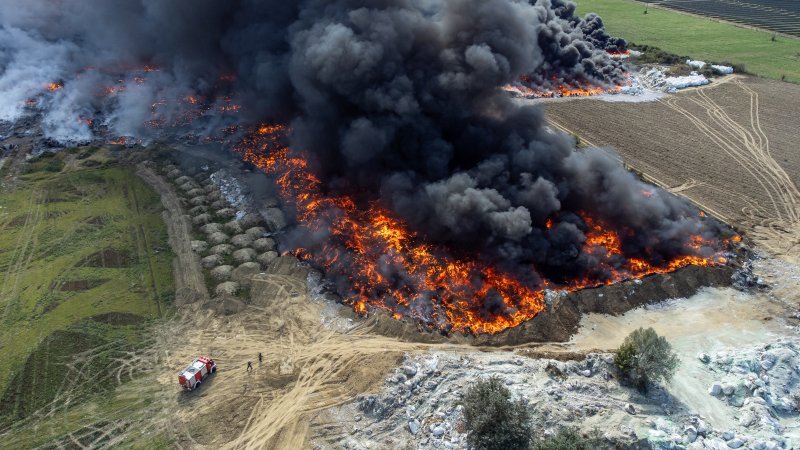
(398, 99)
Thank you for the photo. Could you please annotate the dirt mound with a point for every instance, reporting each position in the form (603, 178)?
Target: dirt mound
(560, 320)
(109, 258)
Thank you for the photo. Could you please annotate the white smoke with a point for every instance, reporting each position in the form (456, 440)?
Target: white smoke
(28, 64)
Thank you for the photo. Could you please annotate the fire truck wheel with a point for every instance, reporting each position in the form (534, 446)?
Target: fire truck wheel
(213, 369)
(197, 386)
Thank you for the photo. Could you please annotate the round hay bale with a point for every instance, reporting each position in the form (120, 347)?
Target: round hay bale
(222, 272)
(218, 238)
(222, 249)
(202, 219)
(197, 201)
(211, 261)
(196, 193)
(182, 180)
(227, 288)
(199, 246)
(233, 227)
(251, 220)
(190, 186)
(199, 209)
(211, 228)
(245, 273)
(264, 244)
(244, 255)
(225, 213)
(242, 240)
(255, 232)
(214, 194)
(218, 204)
(267, 257)
(274, 219)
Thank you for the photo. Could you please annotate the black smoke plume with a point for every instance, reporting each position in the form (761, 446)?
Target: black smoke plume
(398, 100)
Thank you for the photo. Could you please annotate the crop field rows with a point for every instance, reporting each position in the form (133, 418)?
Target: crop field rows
(781, 16)
(730, 148)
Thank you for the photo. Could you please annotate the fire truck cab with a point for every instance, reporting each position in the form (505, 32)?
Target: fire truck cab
(193, 376)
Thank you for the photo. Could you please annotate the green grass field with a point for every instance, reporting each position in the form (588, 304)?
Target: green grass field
(700, 38)
(84, 269)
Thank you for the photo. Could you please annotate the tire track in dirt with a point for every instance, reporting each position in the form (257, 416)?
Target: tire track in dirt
(23, 251)
(648, 177)
(144, 245)
(777, 228)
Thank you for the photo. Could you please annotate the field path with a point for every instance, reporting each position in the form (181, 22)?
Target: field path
(190, 286)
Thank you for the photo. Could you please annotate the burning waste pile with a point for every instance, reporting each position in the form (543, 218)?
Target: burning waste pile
(580, 57)
(410, 176)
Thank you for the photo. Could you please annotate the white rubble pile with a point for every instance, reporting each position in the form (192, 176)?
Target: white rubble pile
(725, 70)
(232, 191)
(656, 79)
(763, 382)
(419, 406)
(698, 65)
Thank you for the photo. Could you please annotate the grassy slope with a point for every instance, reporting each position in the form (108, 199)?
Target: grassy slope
(699, 38)
(42, 243)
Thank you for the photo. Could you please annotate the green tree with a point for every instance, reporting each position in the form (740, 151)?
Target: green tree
(493, 421)
(645, 357)
(569, 439)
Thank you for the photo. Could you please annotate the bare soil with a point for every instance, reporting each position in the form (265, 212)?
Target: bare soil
(108, 257)
(730, 147)
(78, 285)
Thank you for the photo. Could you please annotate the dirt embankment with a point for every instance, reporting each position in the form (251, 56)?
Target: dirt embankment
(562, 317)
(190, 286)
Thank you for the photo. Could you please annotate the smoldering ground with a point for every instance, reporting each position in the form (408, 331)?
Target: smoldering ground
(397, 100)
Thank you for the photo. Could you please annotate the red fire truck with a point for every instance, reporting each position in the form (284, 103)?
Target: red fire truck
(193, 376)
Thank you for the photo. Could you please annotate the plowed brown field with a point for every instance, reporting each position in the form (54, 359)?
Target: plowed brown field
(730, 147)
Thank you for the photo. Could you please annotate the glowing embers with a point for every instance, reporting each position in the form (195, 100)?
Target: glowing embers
(559, 90)
(620, 55)
(378, 262)
(526, 88)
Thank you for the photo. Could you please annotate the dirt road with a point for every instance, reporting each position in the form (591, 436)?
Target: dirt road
(190, 285)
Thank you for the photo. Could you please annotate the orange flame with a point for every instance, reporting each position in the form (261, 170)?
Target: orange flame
(55, 86)
(458, 293)
(558, 90)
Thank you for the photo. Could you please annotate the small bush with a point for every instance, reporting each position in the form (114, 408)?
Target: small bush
(645, 357)
(654, 55)
(492, 420)
(54, 165)
(569, 439)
